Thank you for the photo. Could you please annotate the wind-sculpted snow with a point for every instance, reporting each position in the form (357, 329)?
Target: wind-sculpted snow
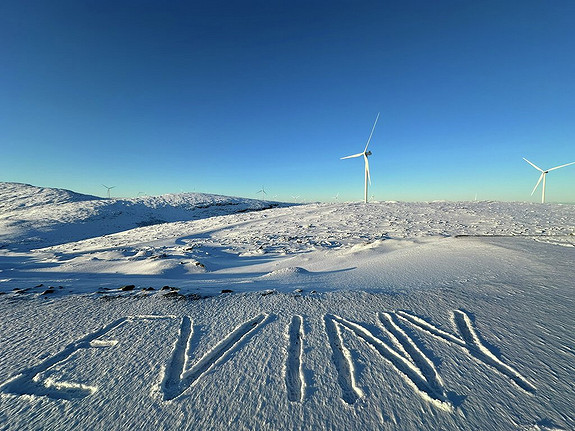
(309, 227)
(180, 249)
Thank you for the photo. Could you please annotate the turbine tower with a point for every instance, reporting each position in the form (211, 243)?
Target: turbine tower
(109, 188)
(365, 155)
(543, 175)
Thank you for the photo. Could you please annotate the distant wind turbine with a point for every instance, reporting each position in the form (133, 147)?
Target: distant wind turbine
(109, 188)
(365, 155)
(262, 191)
(543, 175)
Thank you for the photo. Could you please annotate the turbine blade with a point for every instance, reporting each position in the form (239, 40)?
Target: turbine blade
(372, 129)
(367, 169)
(536, 167)
(536, 185)
(562, 166)
(349, 157)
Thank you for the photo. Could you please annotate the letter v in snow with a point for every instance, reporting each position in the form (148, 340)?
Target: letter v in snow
(179, 376)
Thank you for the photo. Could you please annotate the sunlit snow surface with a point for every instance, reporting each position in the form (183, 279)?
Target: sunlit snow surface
(399, 316)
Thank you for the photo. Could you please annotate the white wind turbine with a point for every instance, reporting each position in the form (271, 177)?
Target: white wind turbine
(543, 175)
(109, 188)
(365, 155)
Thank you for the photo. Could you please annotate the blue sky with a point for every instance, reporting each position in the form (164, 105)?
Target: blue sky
(226, 96)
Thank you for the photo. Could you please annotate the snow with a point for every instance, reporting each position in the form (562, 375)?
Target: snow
(35, 216)
(392, 316)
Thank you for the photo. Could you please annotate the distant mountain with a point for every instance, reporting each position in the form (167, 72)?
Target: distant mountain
(33, 217)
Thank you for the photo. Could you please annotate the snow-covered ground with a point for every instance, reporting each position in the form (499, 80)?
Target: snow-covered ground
(392, 316)
(32, 217)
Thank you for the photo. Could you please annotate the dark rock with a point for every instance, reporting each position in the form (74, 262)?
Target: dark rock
(148, 288)
(179, 297)
(226, 291)
(127, 287)
(174, 295)
(48, 291)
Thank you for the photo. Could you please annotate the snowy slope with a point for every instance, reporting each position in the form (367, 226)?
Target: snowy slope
(257, 243)
(34, 216)
(391, 316)
(17, 196)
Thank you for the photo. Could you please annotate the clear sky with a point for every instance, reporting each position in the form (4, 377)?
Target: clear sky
(226, 96)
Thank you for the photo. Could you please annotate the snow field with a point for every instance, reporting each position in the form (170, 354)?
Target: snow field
(391, 316)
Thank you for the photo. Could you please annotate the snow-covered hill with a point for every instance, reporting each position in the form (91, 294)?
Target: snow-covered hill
(387, 316)
(17, 196)
(33, 216)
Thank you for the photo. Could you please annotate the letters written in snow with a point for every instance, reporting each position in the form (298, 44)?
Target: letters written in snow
(398, 350)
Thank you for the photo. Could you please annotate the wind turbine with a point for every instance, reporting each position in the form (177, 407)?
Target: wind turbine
(262, 191)
(543, 175)
(109, 188)
(365, 155)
